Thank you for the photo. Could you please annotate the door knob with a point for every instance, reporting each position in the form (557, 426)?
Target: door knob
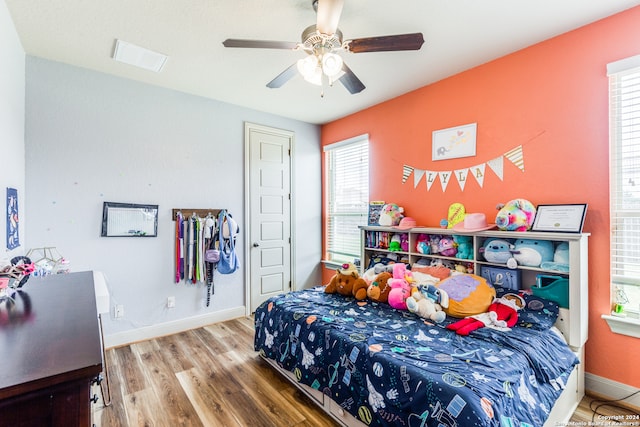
(256, 244)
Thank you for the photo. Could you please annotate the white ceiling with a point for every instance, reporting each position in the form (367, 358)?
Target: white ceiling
(459, 34)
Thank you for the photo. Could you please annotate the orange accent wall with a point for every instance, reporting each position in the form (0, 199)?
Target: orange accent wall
(551, 98)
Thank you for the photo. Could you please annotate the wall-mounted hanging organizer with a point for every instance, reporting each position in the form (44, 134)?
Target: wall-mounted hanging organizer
(194, 236)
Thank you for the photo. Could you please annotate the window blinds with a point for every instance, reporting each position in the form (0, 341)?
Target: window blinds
(624, 92)
(347, 197)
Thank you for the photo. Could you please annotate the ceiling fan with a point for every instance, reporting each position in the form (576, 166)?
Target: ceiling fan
(321, 42)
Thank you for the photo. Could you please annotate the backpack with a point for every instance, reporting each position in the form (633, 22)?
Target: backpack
(227, 231)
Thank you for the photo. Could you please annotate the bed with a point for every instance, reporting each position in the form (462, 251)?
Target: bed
(369, 364)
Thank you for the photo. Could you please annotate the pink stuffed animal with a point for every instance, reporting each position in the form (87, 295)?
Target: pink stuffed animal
(400, 286)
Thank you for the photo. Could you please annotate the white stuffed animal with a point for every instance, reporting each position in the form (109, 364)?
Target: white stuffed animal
(390, 215)
(420, 303)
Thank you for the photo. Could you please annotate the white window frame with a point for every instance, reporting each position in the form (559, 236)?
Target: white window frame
(624, 140)
(346, 198)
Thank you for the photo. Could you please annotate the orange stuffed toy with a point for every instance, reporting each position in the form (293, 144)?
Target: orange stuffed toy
(347, 282)
(379, 289)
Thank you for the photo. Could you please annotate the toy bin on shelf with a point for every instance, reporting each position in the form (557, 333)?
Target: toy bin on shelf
(503, 277)
(553, 288)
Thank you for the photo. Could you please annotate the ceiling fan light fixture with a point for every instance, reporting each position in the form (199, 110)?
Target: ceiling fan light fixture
(331, 64)
(310, 69)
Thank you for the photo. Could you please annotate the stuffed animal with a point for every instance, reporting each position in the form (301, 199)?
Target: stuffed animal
(560, 259)
(395, 244)
(390, 215)
(516, 215)
(379, 288)
(434, 240)
(347, 282)
(499, 251)
(404, 242)
(468, 295)
(422, 244)
(446, 246)
(464, 245)
(532, 253)
(400, 285)
(377, 268)
(425, 302)
(502, 315)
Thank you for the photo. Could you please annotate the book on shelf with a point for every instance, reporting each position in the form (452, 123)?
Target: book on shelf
(375, 207)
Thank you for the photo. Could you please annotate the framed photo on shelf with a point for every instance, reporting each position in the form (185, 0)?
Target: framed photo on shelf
(560, 218)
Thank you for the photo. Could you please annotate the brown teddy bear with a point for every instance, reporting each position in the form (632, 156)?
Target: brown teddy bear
(378, 290)
(347, 282)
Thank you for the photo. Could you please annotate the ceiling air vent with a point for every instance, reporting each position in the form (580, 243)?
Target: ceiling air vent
(138, 56)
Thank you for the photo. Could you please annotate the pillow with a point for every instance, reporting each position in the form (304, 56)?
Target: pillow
(538, 313)
(441, 272)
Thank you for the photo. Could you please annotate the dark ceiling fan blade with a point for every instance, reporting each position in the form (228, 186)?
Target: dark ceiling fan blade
(284, 76)
(411, 41)
(259, 44)
(350, 81)
(329, 12)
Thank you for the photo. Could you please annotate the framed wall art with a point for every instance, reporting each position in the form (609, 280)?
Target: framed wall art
(451, 143)
(129, 220)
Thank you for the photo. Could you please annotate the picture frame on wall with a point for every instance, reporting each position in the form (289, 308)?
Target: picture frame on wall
(560, 218)
(129, 220)
(455, 142)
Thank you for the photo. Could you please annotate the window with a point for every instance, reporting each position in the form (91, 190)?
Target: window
(347, 183)
(624, 107)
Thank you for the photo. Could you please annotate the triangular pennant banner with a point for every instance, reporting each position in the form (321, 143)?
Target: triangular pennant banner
(497, 166)
(431, 178)
(478, 173)
(444, 179)
(417, 176)
(516, 157)
(461, 176)
(406, 171)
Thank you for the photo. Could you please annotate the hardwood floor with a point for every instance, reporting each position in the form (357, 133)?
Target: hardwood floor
(212, 377)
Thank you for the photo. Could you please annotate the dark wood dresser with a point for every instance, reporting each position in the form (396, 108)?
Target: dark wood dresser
(49, 352)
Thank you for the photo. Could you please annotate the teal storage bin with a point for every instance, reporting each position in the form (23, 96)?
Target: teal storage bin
(553, 288)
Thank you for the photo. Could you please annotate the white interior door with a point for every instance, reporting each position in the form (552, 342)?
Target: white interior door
(268, 156)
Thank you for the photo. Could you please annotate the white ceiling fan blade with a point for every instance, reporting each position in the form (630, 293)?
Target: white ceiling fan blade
(329, 12)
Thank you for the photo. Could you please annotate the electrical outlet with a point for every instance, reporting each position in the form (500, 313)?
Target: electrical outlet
(118, 312)
(171, 302)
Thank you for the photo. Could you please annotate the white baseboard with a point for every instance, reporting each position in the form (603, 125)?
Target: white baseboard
(612, 389)
(149, 332)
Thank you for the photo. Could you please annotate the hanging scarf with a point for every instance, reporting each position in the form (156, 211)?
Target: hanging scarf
(178, 247)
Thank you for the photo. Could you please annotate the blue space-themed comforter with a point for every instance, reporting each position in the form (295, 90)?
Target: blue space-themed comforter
(390, 368)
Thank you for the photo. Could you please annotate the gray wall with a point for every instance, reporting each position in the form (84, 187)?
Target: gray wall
(91, 138)
(12, 83)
